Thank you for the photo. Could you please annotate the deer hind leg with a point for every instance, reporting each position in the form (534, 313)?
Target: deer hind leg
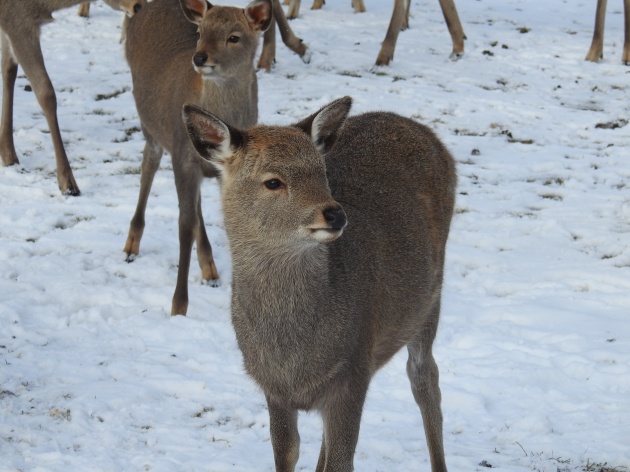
(84, 9)
(625, 57)
(151, 157)
(209, 271)
(454, 27)
(596, 52)
(285, 438)
(28, 54)
(9, 74)
(289, 38)
(268, 53)
(424, 377)
(386, 53)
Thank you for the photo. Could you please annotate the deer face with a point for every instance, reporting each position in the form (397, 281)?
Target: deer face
(228, 36)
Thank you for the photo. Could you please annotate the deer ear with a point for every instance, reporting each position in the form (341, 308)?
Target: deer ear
(213, 140)
(324, 126)
(195, 10)
(259, 14)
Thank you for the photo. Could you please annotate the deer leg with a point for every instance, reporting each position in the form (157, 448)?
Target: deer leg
(151, 157)
(358, 5)
(285, 438)
(28, 54)
(268, 53)
(9, 74)
(289, 38)
(454, 27)
(294, 9)
(318, 4)
(84, 9)
(188, 176)
(405, 24)
(625, 57)
(342, 419)
(209, 270)
(424, 377)
(596, 52)
(386, 53)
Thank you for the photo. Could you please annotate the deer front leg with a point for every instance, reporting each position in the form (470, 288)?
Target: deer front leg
(285, 438)
(596, 52)
(294, 9)
(359, 6)
(151, 157)
(28, 53)
(386, 54)
(84, 9)
(342, 419)
(209, 271)
(9, 74)
(188, 176)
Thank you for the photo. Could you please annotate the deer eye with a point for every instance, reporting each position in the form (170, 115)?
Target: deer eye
(274, 184)
(234, 39)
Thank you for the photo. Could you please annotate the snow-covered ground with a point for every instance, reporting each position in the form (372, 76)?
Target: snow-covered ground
(534, 342)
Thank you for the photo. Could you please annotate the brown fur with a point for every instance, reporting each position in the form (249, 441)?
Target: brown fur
(20, 23)
(317, 312)
(162, 42)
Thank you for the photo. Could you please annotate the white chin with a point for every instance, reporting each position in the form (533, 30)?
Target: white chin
(325, 235)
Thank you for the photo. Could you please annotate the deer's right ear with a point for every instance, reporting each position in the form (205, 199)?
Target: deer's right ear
(213, 140)
(195, 10)
(324, 126)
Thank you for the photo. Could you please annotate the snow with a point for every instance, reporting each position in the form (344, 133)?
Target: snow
(533, 346)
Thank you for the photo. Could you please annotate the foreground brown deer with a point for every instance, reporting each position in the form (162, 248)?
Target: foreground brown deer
(400, 21)
(317, 313)
(186, 51)
(596, 52)
(20, 23)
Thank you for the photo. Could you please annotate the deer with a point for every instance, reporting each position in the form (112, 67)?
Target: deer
(268, 54)
(337, 228)
(596, 51)
(20, 24)
(400, 22)
(189, 52)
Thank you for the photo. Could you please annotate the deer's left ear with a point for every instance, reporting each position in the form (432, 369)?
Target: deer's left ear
(324, 126)
(259, 14)
(195, 10)
(214, 140)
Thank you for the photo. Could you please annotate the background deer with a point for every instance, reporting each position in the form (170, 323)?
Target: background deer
(317, 313)
(179, 52)
(268, 54)
(20, 23)
(400, 21)
(596, 52)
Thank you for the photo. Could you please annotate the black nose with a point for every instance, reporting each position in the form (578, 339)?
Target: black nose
(137, 7)
(336, 217)
(200, 59)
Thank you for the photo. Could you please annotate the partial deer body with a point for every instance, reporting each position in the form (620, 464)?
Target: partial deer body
(20, 23)
(317, 312)
(187, 52)
(596, 52)
(295, 44)
(399, 22)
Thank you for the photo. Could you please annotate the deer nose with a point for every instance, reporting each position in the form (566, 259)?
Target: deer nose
(335, 217)
(136, 8)
(200, 58)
